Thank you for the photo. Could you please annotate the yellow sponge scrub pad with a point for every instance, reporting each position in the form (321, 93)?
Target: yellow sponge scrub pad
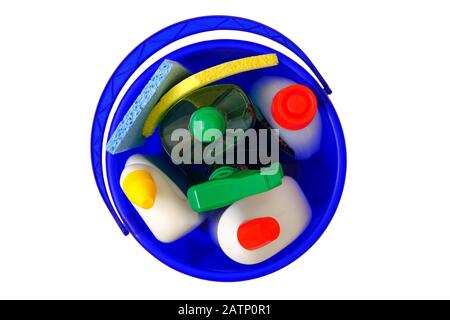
(201, 79)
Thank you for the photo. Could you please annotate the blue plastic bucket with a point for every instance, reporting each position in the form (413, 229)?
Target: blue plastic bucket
(321, 177)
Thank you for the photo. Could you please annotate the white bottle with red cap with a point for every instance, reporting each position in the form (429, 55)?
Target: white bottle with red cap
(291, 108)
(256, 228)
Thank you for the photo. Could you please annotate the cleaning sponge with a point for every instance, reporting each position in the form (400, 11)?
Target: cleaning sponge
(128, 133)
(202, 79)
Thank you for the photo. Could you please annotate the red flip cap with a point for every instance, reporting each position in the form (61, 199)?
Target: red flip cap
(256, 233)
(294, 107)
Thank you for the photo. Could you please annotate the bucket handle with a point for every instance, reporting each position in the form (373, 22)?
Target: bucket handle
(150, 46)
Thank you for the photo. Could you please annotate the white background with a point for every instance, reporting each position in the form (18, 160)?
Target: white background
(388, 64)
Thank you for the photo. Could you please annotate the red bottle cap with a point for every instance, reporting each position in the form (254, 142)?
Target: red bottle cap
(256, 233)
(294, 107)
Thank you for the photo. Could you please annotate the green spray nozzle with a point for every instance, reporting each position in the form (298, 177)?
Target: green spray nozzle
(226, 185)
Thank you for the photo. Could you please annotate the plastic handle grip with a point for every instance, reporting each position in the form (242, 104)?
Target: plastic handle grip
(150, 46)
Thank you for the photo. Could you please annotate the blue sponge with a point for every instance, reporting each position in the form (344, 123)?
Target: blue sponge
(128, 133)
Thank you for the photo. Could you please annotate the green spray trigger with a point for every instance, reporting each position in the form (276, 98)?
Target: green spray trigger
(226, 185)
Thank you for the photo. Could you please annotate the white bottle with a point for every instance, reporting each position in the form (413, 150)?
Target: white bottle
(291, 108)
(158, 200)
(257, 227)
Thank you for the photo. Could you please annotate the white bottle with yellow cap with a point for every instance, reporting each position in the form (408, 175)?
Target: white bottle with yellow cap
(159, 201)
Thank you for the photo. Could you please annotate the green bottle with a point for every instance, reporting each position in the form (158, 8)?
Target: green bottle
(219, 107)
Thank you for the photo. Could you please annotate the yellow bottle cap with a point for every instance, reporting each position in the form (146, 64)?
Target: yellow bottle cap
(140, 188)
